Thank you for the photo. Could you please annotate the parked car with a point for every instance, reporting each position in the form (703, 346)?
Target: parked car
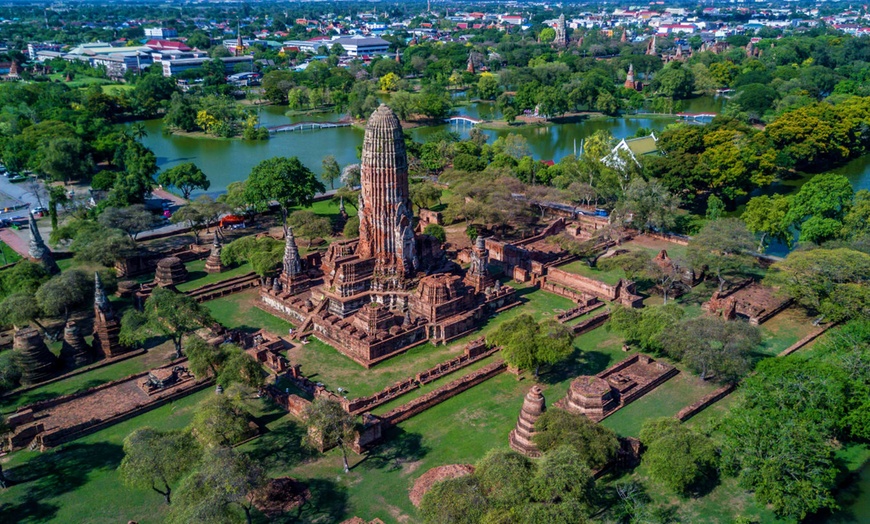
(38, 211)
(18, 178)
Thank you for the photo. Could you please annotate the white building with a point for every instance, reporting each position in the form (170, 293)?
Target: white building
(160, 33)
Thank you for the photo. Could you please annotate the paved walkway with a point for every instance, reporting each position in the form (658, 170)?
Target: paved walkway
(11, 239)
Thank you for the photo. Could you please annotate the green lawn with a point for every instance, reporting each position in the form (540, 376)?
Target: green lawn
(78, 481)
(197, 277)
(238, 312)
(664, 401)
(579, 267)
(9, 255)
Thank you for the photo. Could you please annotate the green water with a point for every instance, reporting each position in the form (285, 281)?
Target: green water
(227, 161)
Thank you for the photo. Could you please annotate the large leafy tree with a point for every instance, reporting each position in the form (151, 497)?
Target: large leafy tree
(779, 438)
(596, 444)
(819, 208)
(675, 81)
(529, 344)
(185, 177)
(832, 282)
(724, 247)
(221, 421)
(678, 457)
(283, 180)
(227, 362)
(166, 313)
(644, 327)
(66, 159)
(263, 253)
(329, 424)
(767, 216)
(712, 347)
(307, 224)
(66, 292)
(222, 486)
(158, 459)
(131, 219)
(331, 171)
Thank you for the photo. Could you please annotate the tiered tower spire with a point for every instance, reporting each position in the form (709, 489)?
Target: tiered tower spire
(386, 224)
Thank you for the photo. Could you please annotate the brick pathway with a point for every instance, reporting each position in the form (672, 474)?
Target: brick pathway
(14, 241)
(166, 195)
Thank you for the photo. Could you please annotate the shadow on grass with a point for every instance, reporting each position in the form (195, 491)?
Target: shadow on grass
(281, 448)
(52, 474)
(399, 448)
(580, 363)
(196, 275)
(328, 503)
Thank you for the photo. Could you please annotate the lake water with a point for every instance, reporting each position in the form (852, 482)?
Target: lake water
(227, 161)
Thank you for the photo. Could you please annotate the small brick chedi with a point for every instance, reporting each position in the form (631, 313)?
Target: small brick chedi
(390, 289)
(37, 362)
(107, 326)
(170, 271)
(213, 263)
(521, 436)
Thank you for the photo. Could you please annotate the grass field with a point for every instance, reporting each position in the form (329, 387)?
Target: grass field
(9, 255)
(71, 483)
(197, 277)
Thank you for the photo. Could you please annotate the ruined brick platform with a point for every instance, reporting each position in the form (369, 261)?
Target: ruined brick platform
(601, 395)
(52, 422)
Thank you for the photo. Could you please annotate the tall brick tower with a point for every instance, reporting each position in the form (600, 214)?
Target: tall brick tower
(386, 224)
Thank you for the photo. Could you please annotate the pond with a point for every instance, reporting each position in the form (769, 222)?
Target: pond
(227, 161)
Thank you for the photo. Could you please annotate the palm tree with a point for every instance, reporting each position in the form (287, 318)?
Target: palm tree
(138, 131)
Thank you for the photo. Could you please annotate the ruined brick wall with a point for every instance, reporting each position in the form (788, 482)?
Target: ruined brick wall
(708, 400)
(582, 284)
(421, 404)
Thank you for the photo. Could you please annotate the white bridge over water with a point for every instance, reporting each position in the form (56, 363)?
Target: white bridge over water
(302, 126)
(464, 120)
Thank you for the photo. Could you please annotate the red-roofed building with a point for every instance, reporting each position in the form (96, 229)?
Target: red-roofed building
(167, 45)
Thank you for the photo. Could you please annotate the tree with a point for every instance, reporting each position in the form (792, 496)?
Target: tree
(166, 313)
(644, 327)
(675, 81)
(263, 253)
(224, 483)
(65, 159)
(65, 293)
(425, 195)
(724, 247)
(596, 444)
(185, 177)
(307, 224)
(200, 214)
(820, 206)
(832, 282)
(563, 487)
(528, 344)
(57, 196)
(434, 230)
(678, 457)
(331, 170)
(19, 309)
(487, 86)
(284, 180)
(713, 347)
(220, 421)
(10, 370)
(547, 35)
(768, 216)
(158, 459)
(131, 219)
(651, 205)
(328, 424)
(389, 82)
(779, 440)
(503, 476)
(454, 501)
(94, 243)
(351, 228)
